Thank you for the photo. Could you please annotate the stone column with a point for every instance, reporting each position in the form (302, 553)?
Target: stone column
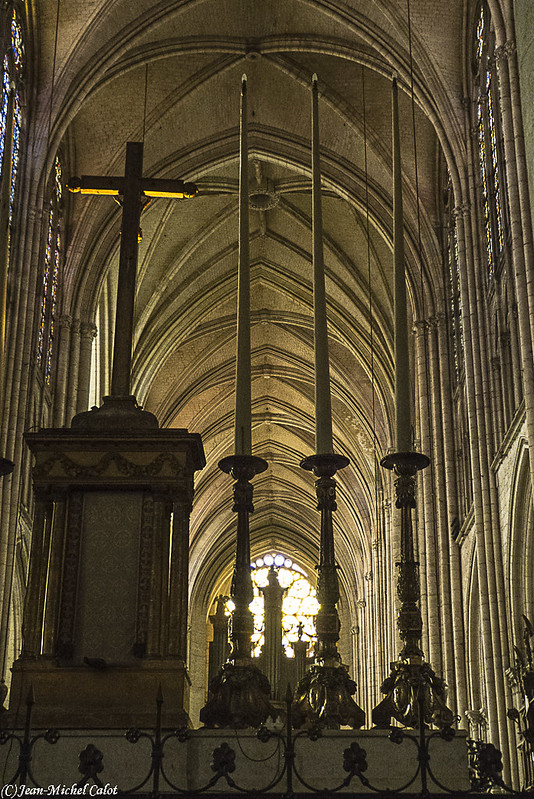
(219, 647)
(449, 470)
(73, 371)
(497, 395)
(300, 648)
(54, 576)
(442, 522)
(33, 608)
(88, 332)
(485, 517)
(520, 220)
(62, 369)
(426, 512)
(179, 580)
(273, 650)
(159, 576)
(507, 380)
(376, 598)
(516, 355)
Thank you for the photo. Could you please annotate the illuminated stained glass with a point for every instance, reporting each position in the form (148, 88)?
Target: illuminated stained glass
(490, 168)
(8, 77)
(16, 40)
(485, 192)
(495, 165)
(50, 278)
(455, 302)
(480, 34)
(16, 126)
(53, 298)
(299, 605)
(3, 110)
(46, 286)
(58, 186)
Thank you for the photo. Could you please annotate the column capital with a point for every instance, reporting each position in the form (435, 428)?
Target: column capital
(65, 320)
(461, 210)
(504, 51)
(88, 330)
(421, 326)
(439, 319)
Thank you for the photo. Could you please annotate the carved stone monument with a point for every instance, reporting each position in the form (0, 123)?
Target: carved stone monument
(105, 618)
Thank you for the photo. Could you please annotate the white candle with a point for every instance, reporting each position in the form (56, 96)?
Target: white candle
(323, 408)
(243, 437)
(403, 426)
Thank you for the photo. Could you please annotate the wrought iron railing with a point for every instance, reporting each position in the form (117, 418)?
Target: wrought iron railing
(485, 764)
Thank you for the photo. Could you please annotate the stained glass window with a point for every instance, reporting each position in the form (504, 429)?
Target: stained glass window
(299, 605)
(16, 40)
(50, 276)
(455, 301)
(12, 67)
(491, 173)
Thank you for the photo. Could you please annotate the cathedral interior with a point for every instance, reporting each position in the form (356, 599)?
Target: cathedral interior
(80, 80)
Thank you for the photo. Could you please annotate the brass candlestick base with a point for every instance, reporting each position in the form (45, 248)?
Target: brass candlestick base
(415, 695)
(238, 698)
(239, 694)
(324, 695)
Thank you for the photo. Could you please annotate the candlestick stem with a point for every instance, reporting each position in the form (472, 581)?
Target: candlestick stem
(324, 695)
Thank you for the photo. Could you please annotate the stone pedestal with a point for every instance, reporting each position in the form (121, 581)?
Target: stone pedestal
(105, 619)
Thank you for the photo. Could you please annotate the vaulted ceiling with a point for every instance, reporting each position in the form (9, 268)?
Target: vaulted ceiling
(169, 72)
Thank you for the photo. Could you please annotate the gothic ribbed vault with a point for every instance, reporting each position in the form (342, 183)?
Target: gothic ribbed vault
(190, 65)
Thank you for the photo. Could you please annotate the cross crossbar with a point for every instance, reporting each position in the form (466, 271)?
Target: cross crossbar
(132, 187)
(113, 186)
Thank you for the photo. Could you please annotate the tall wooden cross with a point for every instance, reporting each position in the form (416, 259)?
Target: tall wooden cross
(132, 188)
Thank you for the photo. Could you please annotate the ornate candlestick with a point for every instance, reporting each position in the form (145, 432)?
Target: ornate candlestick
(239, 693)
(415, 696)
(324, 695)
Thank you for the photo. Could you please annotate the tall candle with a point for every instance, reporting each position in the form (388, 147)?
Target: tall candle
(243, 437)
(323, 407)
(403, 427)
